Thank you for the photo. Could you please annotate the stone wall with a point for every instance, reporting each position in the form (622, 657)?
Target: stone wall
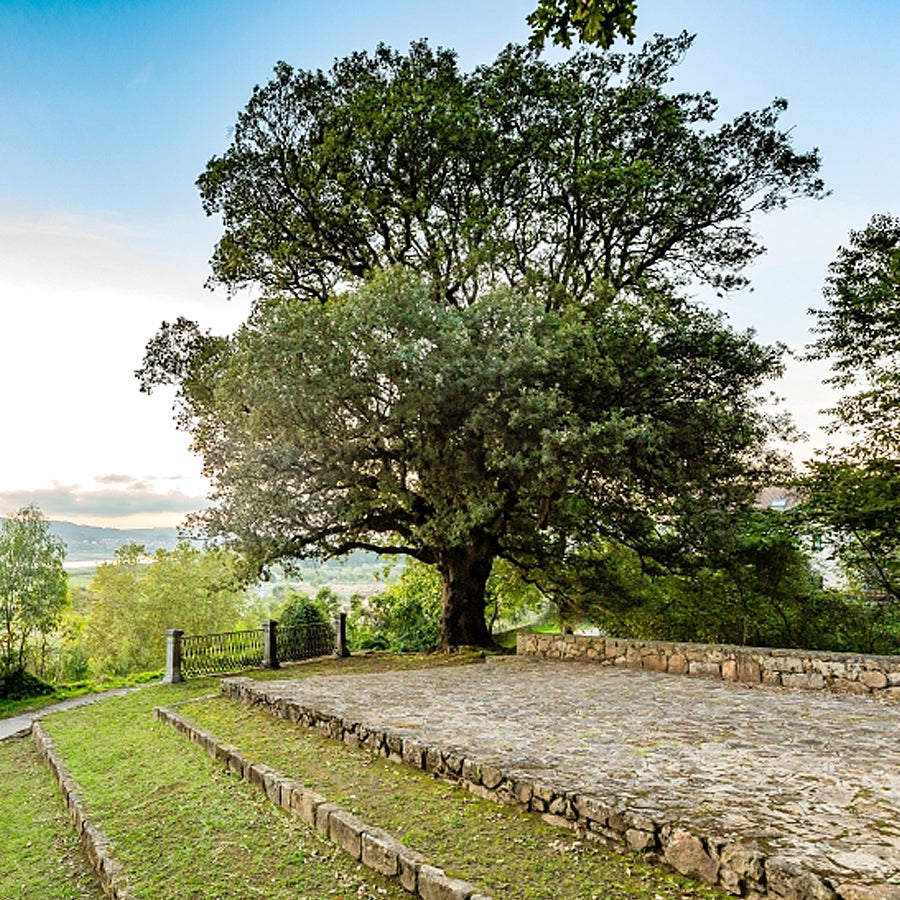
(849, 673)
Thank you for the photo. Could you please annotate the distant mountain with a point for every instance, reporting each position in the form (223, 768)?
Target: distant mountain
(88, 542)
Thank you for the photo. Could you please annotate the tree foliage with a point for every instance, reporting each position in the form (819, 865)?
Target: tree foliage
(134, 600)
(754, 584)
(499, 364)
(592, 21)
(522, 172)
(859, 333)
(854, 490)
(33, 583)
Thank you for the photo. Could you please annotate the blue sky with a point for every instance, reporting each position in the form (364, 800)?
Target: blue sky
(110, 110)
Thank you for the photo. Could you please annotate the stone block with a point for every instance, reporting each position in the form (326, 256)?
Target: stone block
(786, 879)
(588, 808)
(846, 686)
(453, 763)
(729, 670)
(748, 671)
(873, 679)
(471, 771)
(414, 754)
(305, 803)
(409, 863)
(771, 678)
(381, 852)
(687, 855)
(742, 868)
(704, 669)
(435, 884)
(523, 791)
(656, 662)
(640, 841)
(346, 831)
(809, 680)
(434, 762)
(272, 785)
(256, 774)
(491, 777)
(678, 664)
(323, 815)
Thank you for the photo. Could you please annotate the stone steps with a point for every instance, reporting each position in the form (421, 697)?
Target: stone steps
(372, 846)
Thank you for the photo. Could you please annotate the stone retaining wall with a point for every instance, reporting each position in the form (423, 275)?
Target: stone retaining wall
(109, 871)
(373, 847)
(742, 869)
(848, 673)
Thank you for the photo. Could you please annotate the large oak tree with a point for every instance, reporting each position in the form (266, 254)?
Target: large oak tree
(536, 377)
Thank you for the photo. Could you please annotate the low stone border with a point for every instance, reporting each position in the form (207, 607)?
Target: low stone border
(372, 846)
(109, 871)
(847, 673)
(742, 869)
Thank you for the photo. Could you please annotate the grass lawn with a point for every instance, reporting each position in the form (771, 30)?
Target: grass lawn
(41, 855)
(185, 828)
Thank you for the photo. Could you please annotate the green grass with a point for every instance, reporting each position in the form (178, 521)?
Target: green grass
(40, 853)
(77, 689)
(183, 827)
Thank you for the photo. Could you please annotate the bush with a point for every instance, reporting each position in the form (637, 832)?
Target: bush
(405, 618)
(302, 610)
(20, 685)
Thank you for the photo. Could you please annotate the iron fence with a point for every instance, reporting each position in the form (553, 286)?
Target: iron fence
(304, 641)
(216, 654)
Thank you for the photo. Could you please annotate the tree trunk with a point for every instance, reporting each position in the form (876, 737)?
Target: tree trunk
(464, 574)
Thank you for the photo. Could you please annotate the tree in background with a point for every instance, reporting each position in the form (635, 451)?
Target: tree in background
(592, 21)
(854, 490)
(33, 585)
(134, 600)
(536, 379)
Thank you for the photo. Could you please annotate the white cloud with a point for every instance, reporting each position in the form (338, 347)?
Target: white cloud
(78, 305)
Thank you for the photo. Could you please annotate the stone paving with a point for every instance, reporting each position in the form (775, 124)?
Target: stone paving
(808, 776)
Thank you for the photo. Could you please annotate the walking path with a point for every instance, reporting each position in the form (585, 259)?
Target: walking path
(21, 723)
(810, 777)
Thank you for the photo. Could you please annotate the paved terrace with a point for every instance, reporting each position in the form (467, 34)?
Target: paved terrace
(810, 777)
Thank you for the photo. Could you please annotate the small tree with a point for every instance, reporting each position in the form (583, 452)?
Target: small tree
(33, 583)
(854, 491)
(132, 601)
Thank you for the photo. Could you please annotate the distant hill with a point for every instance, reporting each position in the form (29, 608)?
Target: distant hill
(88, 542)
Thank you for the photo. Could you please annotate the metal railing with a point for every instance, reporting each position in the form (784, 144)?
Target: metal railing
(218, 654)
(304, 641)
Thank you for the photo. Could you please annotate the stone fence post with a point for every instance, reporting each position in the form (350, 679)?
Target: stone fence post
(173, 656)
(340, 635)
(270, 645)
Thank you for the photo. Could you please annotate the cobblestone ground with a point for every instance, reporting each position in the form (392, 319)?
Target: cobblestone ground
(808, 775)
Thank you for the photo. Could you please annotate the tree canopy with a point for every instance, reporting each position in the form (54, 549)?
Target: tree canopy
(497, 362)
(132, 601)
(522, 172)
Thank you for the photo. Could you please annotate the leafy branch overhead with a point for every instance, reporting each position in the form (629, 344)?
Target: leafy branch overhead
(597, 22)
